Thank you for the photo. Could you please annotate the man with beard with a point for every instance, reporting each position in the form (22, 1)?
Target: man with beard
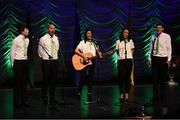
(48, 52)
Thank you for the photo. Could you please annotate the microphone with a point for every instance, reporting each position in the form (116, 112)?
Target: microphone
(125, 39)
(55, 34)
(155, 38)
(125, 42)
(95, 41)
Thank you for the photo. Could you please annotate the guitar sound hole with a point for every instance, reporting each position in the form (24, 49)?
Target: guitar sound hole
(83, 61)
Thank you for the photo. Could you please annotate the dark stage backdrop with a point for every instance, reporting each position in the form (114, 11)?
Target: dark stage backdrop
(105, 17)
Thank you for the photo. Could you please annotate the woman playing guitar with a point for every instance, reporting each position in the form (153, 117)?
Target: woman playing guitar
(87, 50)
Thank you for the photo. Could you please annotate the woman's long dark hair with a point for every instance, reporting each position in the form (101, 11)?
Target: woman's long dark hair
(122, 37)
(85, 37)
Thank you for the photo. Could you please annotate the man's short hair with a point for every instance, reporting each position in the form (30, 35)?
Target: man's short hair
(50, 24)
(159, 24)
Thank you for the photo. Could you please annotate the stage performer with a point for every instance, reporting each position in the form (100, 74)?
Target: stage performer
(87, 45)
(159, 59)
(19, 61)
(125, 50)
(48, 52)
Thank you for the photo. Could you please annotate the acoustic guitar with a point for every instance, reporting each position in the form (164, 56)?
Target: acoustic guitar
(79, 63)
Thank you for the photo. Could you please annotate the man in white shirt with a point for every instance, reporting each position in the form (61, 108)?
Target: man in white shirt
(48, 52)
(19, 61)
(160, 57)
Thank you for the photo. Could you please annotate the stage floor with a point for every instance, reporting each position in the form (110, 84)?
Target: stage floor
(109, 105)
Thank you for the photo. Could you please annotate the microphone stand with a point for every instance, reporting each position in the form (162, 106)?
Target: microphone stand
(125, 42)
(50, 57)
(62, 56)
(98, 100)
(65, 70)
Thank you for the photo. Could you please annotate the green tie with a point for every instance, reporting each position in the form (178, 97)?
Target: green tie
(52, 47)
(157, 45)
(25, 48)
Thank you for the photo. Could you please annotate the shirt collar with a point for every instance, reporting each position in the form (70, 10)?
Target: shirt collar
(22, 36)
(50, 35)
(159, 34)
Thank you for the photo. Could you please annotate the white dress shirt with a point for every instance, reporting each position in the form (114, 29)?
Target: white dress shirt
(87, 47)
(164, 49)
(45, 47)
(19, 48)
(120, 46)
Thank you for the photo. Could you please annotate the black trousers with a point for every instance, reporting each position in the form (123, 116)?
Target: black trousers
(87, 76)
(20, 82)
(159, 73)
(49, 68)
(124, 70)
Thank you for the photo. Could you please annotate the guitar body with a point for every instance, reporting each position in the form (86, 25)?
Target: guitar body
(79, 63)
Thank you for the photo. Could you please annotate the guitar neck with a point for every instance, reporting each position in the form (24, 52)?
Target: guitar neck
(108, 52)
(92, 57)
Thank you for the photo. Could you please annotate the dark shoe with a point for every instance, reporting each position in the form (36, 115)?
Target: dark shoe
(52, 107)
(78, 96)
(89, 97)
(44, 102)
(150, 103)
(122, 100)
(126, 100)
(164, 111)
(154, 100)
(18, 106)
(25, 104)
(55, 102)
(89, 100)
